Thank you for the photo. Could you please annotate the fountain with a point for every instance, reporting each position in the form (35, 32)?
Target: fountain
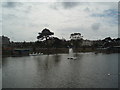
(71, 54)
(70, 51)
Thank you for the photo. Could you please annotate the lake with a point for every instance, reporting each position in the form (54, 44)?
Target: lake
(89, 70)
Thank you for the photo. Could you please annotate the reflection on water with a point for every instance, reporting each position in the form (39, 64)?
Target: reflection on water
(57, 58)
(56, 71)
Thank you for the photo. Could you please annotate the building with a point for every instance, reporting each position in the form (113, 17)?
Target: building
(87, 43)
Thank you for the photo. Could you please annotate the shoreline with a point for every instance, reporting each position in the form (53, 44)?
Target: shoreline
(61, 51)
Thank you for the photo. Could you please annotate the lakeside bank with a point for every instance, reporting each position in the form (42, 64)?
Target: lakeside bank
(28, 51)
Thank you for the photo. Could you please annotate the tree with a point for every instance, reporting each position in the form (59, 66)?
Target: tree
(107, 42)
(76, 36)
(46, 33)
(107, 39)
(76, 39)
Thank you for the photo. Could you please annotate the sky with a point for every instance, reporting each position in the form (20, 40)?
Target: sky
(22, 21)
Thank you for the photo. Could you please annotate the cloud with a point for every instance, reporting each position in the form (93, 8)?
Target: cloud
(64, 5)
(64, 19)
(106, 13)
(69, 5)
(87, 9)
(95, 26)
(9, 16)
(109, 16)
(11, 4)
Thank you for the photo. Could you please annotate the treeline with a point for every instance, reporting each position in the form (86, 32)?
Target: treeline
(47, 43)
(53, 42)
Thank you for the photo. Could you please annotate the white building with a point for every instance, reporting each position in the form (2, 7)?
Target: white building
(87, 43)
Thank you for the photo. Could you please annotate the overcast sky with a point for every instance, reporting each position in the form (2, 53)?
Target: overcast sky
(21, 21)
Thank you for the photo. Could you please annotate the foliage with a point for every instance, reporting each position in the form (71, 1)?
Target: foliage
(76, 39)
(45, 34)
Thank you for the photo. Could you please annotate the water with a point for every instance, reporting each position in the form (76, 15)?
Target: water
(56, 71)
